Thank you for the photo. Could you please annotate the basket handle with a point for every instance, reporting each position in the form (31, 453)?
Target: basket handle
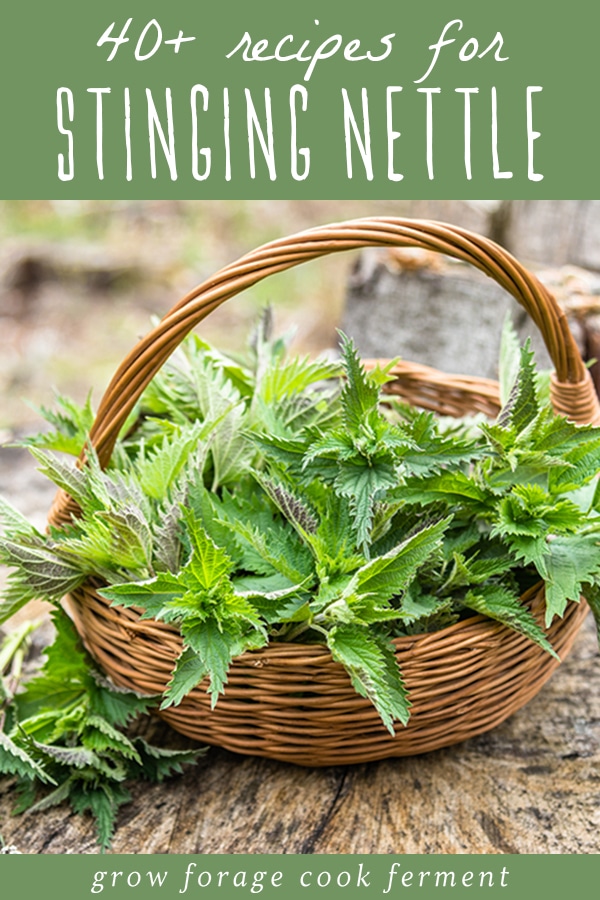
(573, 393)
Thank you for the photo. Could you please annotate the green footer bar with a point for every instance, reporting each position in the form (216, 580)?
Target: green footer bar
(290, 877)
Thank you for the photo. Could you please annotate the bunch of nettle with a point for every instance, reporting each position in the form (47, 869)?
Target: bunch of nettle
(273, 498)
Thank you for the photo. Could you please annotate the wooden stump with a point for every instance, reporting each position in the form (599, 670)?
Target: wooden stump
(430, 310)
(555, 232)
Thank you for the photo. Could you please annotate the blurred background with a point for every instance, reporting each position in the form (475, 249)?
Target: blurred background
(80, 281)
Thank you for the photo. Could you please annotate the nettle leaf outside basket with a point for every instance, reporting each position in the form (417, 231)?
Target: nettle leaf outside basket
(293, 702)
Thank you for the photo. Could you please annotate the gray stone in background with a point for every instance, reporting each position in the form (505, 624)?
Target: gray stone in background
(556, 232)
(441, 313)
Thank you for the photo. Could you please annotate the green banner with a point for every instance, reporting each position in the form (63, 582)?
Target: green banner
(270, 100)
(425, 877)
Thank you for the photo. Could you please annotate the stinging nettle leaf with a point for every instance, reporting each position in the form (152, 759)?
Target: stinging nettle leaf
(389, 575)
(72, 423)
(510, 357)
(522, 405)
(151, 595)
(293, 508)
(497, 603)
(78, 757)
(373, 669)
(103, 802)
(360, 394)
(14, 760)
(364, 485)
(189, 671)
(158, 763)
(208, 564)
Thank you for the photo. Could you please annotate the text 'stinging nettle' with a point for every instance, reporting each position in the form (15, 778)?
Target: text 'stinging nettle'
(219, 132)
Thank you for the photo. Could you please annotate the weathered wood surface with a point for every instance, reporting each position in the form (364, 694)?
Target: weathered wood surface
(530, 786)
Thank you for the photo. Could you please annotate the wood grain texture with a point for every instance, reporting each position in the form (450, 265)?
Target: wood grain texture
(530, 786)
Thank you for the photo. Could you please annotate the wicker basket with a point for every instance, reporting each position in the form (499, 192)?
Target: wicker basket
(292, 702)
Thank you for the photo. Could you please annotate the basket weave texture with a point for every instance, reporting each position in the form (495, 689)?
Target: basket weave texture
(293, 702)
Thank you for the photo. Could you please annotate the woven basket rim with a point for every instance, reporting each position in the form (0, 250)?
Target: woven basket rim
(136, 622)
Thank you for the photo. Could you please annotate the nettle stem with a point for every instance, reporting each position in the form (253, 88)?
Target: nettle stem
(297, 631)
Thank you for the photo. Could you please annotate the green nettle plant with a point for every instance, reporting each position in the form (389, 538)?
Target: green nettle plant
(283, 499)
